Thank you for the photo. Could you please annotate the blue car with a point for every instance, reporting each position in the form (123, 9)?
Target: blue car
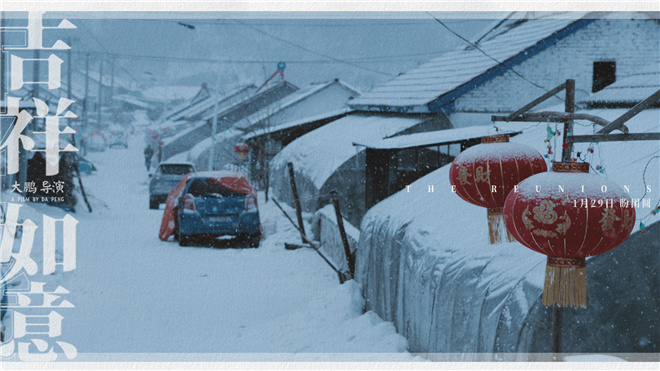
(213, 205)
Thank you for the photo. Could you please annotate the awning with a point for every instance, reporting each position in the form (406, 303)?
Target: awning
(433, 138)
(292, 125)
(319, 153)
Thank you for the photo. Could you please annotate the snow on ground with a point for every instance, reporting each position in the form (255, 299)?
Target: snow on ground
(138, 298)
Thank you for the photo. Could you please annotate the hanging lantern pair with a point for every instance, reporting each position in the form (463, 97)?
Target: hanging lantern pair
(242, 149)
(484, 174)
(568, 215)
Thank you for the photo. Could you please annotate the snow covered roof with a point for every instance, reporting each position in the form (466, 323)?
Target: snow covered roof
(108, 80)
(285, 102)
(181, 133)
(170, 92)
(274, 129)
(206, 103)
(132, 100)
(202, 146)
(510, 42)
(234, 103)
(430, 138)
(630, 90)
(320, 152)
(23, 103)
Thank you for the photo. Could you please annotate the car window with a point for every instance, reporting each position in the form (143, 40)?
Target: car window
(175, 169)
(205, 187)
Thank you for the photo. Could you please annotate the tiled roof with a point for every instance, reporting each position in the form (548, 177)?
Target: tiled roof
(458, 67)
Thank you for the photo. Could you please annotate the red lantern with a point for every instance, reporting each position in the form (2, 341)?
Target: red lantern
(568, 215)
(242, 149)
(483, 175)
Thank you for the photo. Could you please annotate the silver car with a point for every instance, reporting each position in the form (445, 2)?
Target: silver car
(167, 175)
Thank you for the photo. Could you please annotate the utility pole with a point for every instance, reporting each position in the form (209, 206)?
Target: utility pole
(68, 77)
(86, 101)
(214, 127)
(3, 66)
(3, 82)
(98, 120)
(112, 80)
(35, 85)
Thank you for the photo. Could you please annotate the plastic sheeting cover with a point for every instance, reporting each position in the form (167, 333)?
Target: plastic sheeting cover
(425, 262)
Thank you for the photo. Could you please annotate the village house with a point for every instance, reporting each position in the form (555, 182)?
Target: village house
(448, 291)
(515, 60)
(190, 124)
(274, 127)
(238, 104)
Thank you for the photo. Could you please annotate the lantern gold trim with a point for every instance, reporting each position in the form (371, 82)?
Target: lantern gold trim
(496, 226)
(570, 167)
(565, 282)
(504, 138)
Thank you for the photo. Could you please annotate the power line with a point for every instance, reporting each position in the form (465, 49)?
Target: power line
(295, 23)
(312, 51)
(487, 55)
(377, 59)
(90, 33)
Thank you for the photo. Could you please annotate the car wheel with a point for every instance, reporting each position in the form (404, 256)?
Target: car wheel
(153, 203)
(251, 240)
(184, 240)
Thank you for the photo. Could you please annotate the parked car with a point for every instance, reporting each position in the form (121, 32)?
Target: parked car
(212, 204)
(118, 138)
(166, 176)
(96, 143)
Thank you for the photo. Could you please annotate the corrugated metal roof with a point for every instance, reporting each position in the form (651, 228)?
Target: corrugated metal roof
(455, 68)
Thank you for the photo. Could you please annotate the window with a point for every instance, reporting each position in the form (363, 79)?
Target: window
(604, 75)
(174, 169)
(206, 187)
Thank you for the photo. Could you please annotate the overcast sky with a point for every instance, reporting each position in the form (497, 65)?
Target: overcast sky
(358, 50)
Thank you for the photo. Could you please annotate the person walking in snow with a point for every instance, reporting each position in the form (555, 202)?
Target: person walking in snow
(148, 153)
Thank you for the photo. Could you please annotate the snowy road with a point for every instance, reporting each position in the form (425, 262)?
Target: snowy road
(136, 294)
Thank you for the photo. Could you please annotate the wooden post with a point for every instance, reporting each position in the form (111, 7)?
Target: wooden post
(100, 113)
(340, 275)
(296, 199)
(569, 104)
(350, 258)
(86, 100)
(82, 189)
(556, 329)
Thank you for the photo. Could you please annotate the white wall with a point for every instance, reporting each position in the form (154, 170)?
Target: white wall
(633, 45)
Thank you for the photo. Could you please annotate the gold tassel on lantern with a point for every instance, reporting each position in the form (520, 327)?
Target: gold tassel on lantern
(565, 282)
(496, 228)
